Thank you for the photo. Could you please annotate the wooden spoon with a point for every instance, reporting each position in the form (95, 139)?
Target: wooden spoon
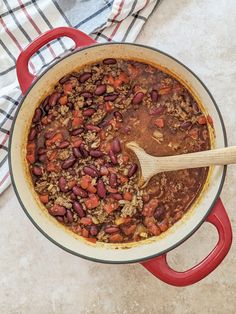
(151, 165)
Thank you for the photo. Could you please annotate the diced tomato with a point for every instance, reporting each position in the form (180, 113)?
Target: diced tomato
(128, 230)
(154, 229)
(86, 221)
(92, 201)
(52, 167)
(53, 155)
(56, 138)
(71, 183)
(108, 106)
(77, 119)
(63, 100)
(193, 133)
(30, 156)
(210, 121)
(115, 237)
(85, 181)
(149, 208)
(202, 120)
(67, 87)
(44, 198)
(110, 206)
(84, 233)
(102, 135)
(163, 226)
(91, 189)
(122, 78)
(76, 141)
(110, 80)
(111, 190)
(92, 240)
(159, 122)
(44, 120)
(125, 158)
(164, 90)
(123, 179)
(127, 196)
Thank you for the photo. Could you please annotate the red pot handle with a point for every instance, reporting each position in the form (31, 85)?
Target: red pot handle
(26, 78)
(159, 267)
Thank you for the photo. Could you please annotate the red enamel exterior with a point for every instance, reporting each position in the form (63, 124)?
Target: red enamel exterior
(218, 216)
(159, 267)
(26, 78)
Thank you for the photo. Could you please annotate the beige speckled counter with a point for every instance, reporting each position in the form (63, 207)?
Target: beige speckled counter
(38, 277)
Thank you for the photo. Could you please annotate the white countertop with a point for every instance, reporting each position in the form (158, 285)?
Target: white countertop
(38, 277)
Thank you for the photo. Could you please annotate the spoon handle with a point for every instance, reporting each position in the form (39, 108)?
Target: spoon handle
(220, 156)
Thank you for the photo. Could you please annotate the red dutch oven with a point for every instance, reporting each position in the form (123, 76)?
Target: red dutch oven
(151, 253)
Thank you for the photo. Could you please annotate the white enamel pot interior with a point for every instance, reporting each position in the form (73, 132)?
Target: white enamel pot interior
(111, 253)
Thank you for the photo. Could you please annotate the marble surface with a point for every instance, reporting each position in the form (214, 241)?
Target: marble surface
(37, 277)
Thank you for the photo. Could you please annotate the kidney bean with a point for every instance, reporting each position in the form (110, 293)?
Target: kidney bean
(159, 212)
(73, 196)
(112, 157)
(118, 115)
(154, 111)
(64, 144)
(76, 152)
(78, 191)
(95, 153)
(84, 77)
(110, 97)
(83, 151)
(44, 102)
(154, 95)
(64, 79)
(90, 171)
(93, 128)
(127, 129)
(77, 131)
(101, 190)
(69, 216)
(53, 99)
(38, 128)
(104, 171)
(37, 171)
(195, 107)
(42, 158)
(137, 99)
(59, 218)
(104, 123)
(78, 209)
(93, 230)
(62, 183)
(70, 105)
(186, 125)
(109, 61)
(86, 95)
(49, 134)
(116, 147)
(146, 198)
(37, 115)
(41, 151)
(111, 230)
(89, 112)
(116, 196)
(132, 170)
(113, 180)
(69, 162)
(57, 210)
(32, 134)
(100, 90)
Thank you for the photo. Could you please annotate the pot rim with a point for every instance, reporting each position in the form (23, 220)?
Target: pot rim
(96, 259)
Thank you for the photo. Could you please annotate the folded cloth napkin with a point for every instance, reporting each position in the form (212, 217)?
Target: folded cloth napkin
(21, 21)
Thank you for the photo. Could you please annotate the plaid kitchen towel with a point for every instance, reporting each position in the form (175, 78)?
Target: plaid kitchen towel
(21, 21)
